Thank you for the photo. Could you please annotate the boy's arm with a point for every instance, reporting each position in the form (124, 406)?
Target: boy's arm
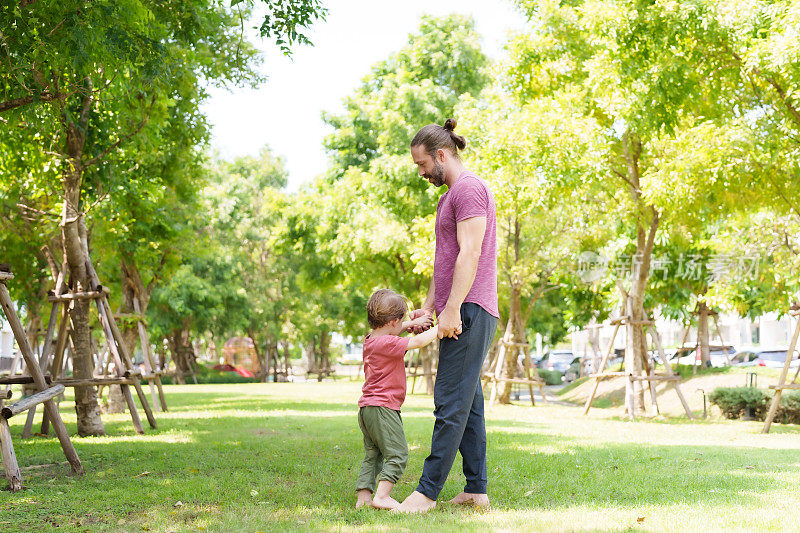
(423, 339)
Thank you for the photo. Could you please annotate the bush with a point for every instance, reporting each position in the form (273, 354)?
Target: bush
(733, 401)
(550, 377)
(789, 409)
(206, 375)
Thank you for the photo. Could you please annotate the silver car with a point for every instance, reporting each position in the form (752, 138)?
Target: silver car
(770, 358)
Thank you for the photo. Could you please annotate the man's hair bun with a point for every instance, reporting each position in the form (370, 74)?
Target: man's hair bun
(434, 137)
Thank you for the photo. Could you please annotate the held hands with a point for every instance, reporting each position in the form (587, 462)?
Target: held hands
(421, 320)
(449, 323)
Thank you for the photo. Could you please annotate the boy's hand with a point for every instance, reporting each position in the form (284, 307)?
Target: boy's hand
(421, 320)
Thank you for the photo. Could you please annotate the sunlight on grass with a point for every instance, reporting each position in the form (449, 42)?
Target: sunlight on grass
(284, 457)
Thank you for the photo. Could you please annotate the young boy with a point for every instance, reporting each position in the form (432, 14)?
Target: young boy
(383, 394)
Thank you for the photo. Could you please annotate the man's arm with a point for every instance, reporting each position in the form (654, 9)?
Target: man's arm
(427, 308)
(469, 233)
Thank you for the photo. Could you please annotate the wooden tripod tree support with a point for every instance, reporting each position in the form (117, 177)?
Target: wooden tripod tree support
(415, 369)
(651, 377)
(722, 345)
(153, 375)
(126, 375)
(45, 395)
(782, 385)
(495, 375)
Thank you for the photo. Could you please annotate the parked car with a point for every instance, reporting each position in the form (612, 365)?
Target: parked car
(574, 370)
(688, 356)
(558, 360)
(770, 358)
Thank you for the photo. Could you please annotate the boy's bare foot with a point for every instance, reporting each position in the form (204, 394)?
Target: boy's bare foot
(466, 498)
(415, 503)
(364, 498)
(385, 502)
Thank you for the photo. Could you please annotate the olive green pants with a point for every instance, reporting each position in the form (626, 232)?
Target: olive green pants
(386, 451)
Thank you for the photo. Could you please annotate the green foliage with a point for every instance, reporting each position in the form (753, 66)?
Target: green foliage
(789, 409)
(205, 375)
(369, 222)
(734, 401)
(551, 377)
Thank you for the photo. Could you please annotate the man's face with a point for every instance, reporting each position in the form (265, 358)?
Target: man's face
(429, 168)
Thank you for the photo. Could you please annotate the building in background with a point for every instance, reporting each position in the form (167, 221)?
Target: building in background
(767, 331)
(6, 346)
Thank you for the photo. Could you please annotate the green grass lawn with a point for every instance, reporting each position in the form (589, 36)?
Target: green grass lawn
(258, 457)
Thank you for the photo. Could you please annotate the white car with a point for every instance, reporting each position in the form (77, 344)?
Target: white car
(767, 357)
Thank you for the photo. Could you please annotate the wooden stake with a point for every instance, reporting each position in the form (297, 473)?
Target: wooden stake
(114, 347)
(38, 377)
(149, 361)
(602, 367)
(668, 367)
(776, 400)
(10, 465)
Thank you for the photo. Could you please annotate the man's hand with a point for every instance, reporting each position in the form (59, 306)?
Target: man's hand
(421, 320)
(419, 324)
(450, 323)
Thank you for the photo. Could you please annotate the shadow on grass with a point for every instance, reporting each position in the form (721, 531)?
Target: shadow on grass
(231, 472)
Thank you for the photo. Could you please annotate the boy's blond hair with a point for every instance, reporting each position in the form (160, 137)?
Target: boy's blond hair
(384, 306)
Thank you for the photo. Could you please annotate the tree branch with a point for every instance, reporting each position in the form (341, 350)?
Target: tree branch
(99, 157)
(14, 103)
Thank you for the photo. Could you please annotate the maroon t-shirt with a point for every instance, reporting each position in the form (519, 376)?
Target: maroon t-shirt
(384, 371)
(468, 197)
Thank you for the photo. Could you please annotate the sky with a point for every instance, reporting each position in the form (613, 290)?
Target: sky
(285, 111)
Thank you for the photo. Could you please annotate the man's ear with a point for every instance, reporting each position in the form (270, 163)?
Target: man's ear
(440, 155)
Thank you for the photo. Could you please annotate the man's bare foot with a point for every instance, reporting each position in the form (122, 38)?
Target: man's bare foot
(415, 503)
(466, 498)
(385, 502)
(364, 498)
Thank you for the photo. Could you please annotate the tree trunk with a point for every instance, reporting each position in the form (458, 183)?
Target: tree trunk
(86, 406)
(310, 353)
(32, 331)
(174, 341)
(261, 366)
(428, 354)
(183, 354)
(287, 364)
(324, 352)
(514, 335)
(275, 357)
(703, 334)
(116, 401)
(132, 288)
(636, 358)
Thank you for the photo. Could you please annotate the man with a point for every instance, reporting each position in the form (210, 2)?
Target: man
(463, 294)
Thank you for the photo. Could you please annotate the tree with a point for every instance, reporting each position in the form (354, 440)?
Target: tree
(110, 71)
(640, 85)
(514, 148)
(376, 214)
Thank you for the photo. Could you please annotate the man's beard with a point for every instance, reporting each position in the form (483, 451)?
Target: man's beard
(437, 174)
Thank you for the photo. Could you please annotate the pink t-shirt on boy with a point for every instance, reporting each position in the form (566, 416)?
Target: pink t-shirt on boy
(468, 197)
(385, 372)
